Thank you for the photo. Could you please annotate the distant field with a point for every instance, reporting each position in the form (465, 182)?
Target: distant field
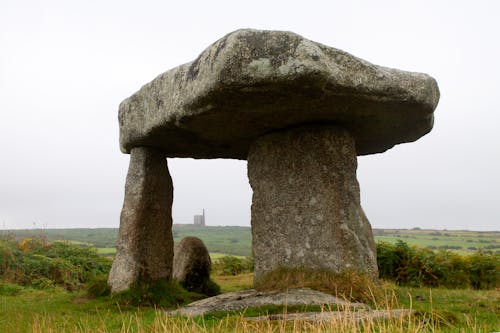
(106, 251)
(110, 251)
(231, 240)
(238, 240)
(457, 240)
(99, 237)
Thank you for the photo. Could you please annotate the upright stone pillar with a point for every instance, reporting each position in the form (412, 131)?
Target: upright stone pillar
(144, 250)
(306, 209)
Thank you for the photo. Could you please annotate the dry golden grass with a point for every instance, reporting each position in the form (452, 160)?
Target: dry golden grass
(438, 310)
(230, 283)
(84, 318)
(239, 324)
(349, 285)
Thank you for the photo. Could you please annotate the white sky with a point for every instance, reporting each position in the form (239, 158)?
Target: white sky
(66, 65)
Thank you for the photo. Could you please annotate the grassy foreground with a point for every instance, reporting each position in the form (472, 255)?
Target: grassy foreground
(56, 310)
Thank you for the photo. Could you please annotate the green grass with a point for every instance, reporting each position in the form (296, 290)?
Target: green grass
(111, 251)
(61, 311)
(217, 255)
(231, 240)
(56, 310)
(106, 251)
(237, 240)
(99, 237)
(452, 309)
(229, 283)
(21, 313)
(467, 241)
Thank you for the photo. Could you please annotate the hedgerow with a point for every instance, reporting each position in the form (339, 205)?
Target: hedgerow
(34, 262)
(40, 264)
(419, 267)
(230, 265)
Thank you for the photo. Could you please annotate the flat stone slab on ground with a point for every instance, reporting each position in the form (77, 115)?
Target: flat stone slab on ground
(241, 300)
(333, 316)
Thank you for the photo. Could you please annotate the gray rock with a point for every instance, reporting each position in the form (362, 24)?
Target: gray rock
(250, 95)
(306, 205)
(252, 82)
(240, 300)
(192, 264)
(144, 250)
(339, 318)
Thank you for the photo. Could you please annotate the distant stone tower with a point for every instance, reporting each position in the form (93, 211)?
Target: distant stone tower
(200, 219)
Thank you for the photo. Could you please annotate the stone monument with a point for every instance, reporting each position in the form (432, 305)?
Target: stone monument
(299, 112)
(192, 265)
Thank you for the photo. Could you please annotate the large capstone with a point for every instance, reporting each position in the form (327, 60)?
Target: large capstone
(306, 210)
(144, 250)
(253, 82)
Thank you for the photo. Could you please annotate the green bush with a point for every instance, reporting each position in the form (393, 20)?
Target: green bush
(9, 289)
(7, 258)
(42, 283)
(35, 262)
(98, 287)
(418, 267)
(211, 288)
(164, 294)
(230, 265)
(484, 270)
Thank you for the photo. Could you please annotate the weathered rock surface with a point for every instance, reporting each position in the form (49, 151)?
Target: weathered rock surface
(241, 300)
(192, 264)
(144, 249)
(300, 112)
(253, 82)
(341, 317)
(306, 208)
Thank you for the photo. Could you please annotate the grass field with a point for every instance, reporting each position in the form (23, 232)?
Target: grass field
(106, 251)
(438, 310)
(53, 309)
(237, 240)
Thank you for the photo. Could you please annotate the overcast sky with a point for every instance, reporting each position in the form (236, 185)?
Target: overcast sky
(66, 65)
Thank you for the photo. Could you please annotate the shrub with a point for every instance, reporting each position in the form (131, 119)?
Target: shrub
(211, 288)
(9, 289)
(36, 262)
(230, 265)
(42, 283)
(7, 257)
(484, 270)
(413, 266)
(165, 294)
(98, 287)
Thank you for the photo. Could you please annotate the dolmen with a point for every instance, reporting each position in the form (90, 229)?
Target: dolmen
(300, 113)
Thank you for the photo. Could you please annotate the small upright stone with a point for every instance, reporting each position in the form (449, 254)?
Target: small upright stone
(144, 249)
(192, 266)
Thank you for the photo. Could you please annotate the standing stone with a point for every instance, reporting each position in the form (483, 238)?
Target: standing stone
(192, 265)
(306, 209)
(144, 249)
(252, 83)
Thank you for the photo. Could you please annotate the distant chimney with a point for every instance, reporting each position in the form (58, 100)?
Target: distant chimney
(200, 219)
